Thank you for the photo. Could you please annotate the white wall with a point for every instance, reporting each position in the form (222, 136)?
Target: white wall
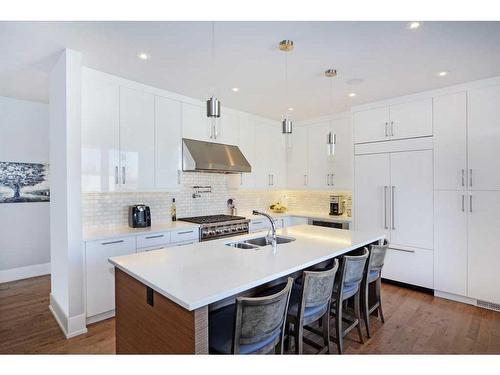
(24, 227)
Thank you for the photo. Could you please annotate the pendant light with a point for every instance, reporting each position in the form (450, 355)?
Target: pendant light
(331, 138)
(286, 122)
(213, 104)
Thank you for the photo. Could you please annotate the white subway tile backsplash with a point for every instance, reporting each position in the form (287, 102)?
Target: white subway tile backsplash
(111, 209)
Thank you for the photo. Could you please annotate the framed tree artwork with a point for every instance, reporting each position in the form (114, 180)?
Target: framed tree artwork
(24, 182)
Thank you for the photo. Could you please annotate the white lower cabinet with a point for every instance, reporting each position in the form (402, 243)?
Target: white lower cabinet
(413, 267)
(450, 242)
(185, 235)
(152, 241)
(483, 246)
(100, 276)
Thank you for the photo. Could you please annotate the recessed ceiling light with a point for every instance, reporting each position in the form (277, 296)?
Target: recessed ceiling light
(414, 25)
(290, 108)
(143, 56)
(444, 73)
(235, 89)
(352, 94)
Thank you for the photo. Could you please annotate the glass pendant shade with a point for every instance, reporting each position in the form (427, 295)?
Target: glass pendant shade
(287, 126)
(331, 139)
(213, 107)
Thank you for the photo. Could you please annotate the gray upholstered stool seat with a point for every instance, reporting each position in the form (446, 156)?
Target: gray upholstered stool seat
(253, 325)
(373, 275)
(221, 333)
(348, 290)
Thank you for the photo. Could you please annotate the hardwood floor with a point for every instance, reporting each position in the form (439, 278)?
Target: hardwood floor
(416, 323)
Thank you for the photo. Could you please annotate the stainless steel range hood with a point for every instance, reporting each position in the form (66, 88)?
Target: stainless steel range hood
(200, 156)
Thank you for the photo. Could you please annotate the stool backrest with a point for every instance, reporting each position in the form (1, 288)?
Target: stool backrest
(318, 286)
(353, 268)
(377, 257)
(259, 318)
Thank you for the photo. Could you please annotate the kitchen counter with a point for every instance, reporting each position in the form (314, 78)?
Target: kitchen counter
(163, 296)
(103, 233)
(199, 274)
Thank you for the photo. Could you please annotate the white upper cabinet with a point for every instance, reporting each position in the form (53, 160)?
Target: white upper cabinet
(409, 120)
(398, 121)
(137, 139)
(342, 167)
(227, 130)
(270, 157)
(297, 159)
(371, 125)
(484, 138)
(100, 134)
(412, 199)
(246, 142)
(450, 132)
(167, 143)
(320, 170)
(195, 124)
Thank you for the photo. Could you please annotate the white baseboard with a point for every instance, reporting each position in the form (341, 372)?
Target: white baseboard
(99, 317)
(24, 272)
(455, 297)
(72, 326)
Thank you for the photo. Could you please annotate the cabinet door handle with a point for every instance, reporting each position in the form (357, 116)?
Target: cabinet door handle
(116, 176)
(331, 179)
(241, 179)
(328, 180)
(272, 178)
(305, 180)
(402, 250)
(392, 128)
(179, 176)
(393, 188)
(385, 207)
(123, 175)
(463, 177)
(386, 124)
(111, 242)
(470, 203)
(157, 236)
(463, 202)
(470, 177)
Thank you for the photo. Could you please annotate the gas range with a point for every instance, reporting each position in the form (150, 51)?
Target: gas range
(218, 226)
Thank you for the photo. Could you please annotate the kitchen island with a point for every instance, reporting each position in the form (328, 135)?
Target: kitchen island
(163, 297)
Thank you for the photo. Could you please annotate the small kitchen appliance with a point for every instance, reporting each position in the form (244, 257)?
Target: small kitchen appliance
(213, 227)
(336, 205)
(139, 216)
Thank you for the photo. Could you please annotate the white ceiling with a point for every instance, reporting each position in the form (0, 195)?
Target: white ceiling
(391, 59)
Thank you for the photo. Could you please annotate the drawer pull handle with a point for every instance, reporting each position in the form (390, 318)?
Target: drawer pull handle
(403, 250)
(185, 232)
(157, 236)
(111, 242)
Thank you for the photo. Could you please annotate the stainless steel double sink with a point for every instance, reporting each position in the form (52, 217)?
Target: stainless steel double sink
(255, 243)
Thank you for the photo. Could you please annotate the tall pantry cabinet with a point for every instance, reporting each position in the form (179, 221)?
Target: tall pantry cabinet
(393, 186)
(467, 193)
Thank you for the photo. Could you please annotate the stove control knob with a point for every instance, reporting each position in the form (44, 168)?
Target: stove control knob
(233, 229)
(218, 231)
(226, 230)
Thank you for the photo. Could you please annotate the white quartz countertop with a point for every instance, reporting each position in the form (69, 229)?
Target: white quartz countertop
(199, 274)
(312, 215)
(102, 233)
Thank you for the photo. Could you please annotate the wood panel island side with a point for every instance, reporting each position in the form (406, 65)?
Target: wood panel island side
(163, 297)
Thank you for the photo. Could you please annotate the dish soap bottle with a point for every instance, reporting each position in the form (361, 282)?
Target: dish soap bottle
(173, 210)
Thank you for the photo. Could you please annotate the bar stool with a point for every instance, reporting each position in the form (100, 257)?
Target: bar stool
(310, 302)
(348, 286)
(372, 278)
(252, 325)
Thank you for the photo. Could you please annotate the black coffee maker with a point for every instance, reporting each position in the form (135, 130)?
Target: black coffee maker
(139, 216)
(336, 205)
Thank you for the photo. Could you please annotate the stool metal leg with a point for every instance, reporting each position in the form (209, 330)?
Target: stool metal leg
(379, 300)
(338, 327)
(357, 313)
(366, 308)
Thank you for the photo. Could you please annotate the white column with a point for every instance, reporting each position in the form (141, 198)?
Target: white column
(67, 301)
